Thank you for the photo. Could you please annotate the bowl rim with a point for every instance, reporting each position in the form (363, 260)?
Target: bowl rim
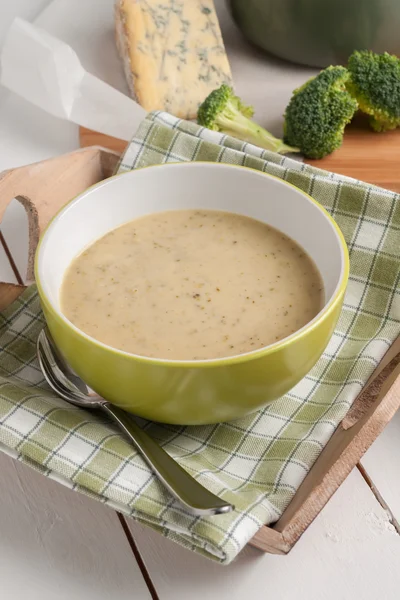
(210, 362)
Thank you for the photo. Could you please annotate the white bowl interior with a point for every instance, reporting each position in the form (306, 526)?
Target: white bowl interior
(183, 186)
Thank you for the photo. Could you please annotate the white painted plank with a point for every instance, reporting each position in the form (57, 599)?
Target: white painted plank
(55, 543)
(6, 272)
(382, 465)
(350, 551)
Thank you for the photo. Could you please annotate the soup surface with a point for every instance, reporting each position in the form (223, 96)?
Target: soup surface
(192, 284)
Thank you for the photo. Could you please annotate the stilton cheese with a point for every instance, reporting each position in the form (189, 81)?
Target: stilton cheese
(172, 51)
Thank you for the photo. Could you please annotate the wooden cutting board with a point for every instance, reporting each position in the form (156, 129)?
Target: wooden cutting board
(366, 155)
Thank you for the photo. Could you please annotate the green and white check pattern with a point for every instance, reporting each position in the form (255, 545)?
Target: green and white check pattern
(257, 463)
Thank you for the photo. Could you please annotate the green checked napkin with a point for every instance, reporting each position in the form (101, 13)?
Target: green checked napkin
(256, 463)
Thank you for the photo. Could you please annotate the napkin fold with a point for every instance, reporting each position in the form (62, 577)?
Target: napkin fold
(258, 462)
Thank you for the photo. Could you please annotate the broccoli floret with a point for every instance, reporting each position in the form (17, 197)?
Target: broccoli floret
(375, 84)
(225, 112)
(318, 112)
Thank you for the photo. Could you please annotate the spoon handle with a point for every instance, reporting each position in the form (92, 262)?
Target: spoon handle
(197, 499)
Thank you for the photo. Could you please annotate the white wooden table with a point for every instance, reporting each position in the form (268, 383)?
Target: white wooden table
(55, 543)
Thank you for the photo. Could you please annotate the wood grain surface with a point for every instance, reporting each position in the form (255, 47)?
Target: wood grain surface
(366, 155)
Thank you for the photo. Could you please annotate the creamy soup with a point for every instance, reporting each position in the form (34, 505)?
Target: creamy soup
(192, 284)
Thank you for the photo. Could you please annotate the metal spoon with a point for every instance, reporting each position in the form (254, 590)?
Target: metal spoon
(178, 482)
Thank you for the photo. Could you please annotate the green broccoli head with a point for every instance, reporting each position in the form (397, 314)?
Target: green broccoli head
(318, 112)
(221, 106)
(375, 84)
(225, 112)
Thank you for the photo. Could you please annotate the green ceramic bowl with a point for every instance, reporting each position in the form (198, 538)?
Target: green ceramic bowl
(201, 391)
(319, 32)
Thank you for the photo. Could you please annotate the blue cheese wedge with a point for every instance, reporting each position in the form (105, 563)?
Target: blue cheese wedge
(172, 51)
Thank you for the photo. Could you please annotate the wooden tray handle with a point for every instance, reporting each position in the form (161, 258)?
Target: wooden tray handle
(43, 188)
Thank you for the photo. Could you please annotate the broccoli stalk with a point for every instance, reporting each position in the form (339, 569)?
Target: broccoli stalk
(223, 111)
(318, 113)
(375, 84)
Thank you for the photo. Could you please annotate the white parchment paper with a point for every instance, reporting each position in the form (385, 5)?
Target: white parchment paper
(48, 73)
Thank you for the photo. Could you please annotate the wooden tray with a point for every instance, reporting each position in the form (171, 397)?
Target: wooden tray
(46, 186)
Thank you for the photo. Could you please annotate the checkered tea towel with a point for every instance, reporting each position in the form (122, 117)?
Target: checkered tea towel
(256, 463)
